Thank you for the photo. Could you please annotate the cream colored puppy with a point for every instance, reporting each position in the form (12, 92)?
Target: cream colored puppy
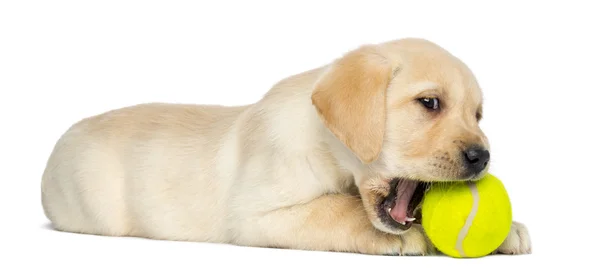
(330, 159)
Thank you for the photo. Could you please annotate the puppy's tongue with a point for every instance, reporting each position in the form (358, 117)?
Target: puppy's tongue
(406, 189)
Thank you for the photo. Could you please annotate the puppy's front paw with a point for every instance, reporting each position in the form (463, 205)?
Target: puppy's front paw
(415, 243)
(517, 242)
(412, 242)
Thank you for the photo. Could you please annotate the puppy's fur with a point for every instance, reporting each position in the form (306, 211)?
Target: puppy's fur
(303, 168)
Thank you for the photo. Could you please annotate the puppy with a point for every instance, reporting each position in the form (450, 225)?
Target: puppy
(331, 159)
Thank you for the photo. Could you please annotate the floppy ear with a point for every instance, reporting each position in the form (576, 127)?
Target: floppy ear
(350, 100)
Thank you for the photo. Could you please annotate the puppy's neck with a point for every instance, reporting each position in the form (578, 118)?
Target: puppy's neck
(344, 157)
(294, 120)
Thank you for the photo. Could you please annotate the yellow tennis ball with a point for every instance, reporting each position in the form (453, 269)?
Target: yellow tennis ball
(467, 219)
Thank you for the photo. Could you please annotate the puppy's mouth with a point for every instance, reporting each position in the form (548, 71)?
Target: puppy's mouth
(401, 208)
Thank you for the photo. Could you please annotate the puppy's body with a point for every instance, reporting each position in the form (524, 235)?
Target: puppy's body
(192, 172)
(305, 167)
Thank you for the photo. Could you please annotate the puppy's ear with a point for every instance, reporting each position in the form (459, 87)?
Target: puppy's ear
(350, 100)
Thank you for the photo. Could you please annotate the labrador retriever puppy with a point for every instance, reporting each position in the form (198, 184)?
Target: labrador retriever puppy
(331, 159)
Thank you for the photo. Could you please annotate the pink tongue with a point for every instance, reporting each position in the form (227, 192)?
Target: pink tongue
(406, 189)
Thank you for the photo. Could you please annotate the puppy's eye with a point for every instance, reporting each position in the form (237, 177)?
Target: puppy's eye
(430, 103)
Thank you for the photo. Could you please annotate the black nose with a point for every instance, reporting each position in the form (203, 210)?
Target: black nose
(476, 159)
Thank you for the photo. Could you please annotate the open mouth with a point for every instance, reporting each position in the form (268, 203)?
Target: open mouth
(402, 207)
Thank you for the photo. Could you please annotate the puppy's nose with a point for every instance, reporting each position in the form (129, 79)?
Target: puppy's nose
(476, 158)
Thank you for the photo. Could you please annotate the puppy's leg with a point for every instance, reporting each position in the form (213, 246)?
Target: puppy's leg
(329, 223)
(517, 242)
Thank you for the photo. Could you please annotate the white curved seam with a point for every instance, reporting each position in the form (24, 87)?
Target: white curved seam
(465, 229)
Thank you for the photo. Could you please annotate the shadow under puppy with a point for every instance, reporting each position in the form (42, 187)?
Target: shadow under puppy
(330, 159)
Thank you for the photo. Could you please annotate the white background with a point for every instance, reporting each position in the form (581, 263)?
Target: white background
(61, 61)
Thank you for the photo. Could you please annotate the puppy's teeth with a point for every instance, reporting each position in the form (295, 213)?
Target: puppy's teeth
(389, 209)
(403, 223)
(410, 219)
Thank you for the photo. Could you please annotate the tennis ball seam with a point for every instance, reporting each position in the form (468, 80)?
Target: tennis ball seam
(465, 229)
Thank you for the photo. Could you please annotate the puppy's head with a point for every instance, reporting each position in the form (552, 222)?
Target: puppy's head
(409, 112)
